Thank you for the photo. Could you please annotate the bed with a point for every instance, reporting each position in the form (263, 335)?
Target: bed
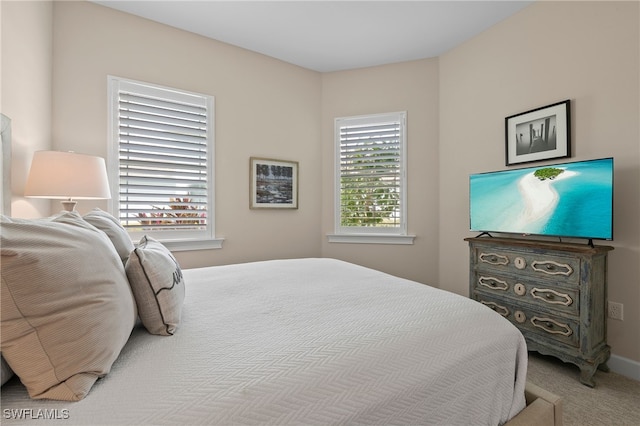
(297, 341)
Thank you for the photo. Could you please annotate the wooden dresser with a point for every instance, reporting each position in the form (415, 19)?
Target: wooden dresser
(555, 293)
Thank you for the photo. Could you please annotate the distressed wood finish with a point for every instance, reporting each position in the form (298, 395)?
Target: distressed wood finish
(555, 293)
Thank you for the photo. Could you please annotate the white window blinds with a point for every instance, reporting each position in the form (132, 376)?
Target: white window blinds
(371, 174)
(164, 141)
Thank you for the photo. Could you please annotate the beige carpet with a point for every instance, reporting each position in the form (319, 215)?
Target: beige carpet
(614, 401)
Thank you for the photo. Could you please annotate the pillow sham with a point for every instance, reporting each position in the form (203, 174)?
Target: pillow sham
(67, 308)
(158, 286)
(114, 230)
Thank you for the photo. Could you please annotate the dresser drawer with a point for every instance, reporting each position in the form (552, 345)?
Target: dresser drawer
(549, 266)
(520, 289)
(544, 325)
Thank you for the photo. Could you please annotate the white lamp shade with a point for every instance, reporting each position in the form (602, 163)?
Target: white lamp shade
(67, 175)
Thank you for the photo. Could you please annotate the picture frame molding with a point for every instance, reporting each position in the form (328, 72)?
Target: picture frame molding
(254, 201)
(558, 114)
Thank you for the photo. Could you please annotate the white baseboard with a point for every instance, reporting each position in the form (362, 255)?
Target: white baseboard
(625, 366)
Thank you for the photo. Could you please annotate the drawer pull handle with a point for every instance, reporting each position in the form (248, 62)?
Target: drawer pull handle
(551, 326)
(550, 267)
(498, 308)
(493, 283)
(551, 296)
(493, 259)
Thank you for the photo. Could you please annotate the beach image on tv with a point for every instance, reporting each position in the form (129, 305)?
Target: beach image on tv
(570, 200)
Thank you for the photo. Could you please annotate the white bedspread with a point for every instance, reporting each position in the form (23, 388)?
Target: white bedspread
(310, 341)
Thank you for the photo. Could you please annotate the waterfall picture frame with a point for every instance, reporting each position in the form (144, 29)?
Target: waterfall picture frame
(273, 184)
(539, 134)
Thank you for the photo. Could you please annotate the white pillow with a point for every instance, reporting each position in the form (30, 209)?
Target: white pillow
(158, 286)
(67, 308)
(114, 230)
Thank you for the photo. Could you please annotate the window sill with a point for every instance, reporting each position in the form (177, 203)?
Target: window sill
(371, 239)
(188, 245)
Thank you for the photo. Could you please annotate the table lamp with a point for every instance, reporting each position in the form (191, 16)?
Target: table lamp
(68, 176)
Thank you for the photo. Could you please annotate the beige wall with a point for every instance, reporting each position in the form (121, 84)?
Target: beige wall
(263, 108)
(411, 87)
(551, 51)
(25, 89)
(55, 59)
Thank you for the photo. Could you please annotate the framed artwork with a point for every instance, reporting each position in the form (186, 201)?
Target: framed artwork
(540, 134)
(274, 184)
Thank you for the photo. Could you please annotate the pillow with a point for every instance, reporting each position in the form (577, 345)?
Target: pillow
(114, 230)
(67, 308)
(5, 371)
(158, 286)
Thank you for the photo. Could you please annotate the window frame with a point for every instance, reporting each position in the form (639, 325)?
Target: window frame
(371, 234)
(174, 240)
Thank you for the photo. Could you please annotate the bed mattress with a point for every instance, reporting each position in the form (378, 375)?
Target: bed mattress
(306, 341)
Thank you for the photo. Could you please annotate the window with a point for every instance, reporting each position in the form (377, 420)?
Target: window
(161, 163)
(371, 179)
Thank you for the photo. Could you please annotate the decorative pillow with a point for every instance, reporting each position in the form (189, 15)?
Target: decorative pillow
(158, 286)
(67, 308)
(114, 230)
(5, 371)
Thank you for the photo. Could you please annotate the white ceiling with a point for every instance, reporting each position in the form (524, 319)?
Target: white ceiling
(330, 35)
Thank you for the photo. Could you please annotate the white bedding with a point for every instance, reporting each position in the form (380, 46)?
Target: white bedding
(309, 341)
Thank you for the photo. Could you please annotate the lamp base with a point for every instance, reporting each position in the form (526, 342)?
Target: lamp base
(68, 205)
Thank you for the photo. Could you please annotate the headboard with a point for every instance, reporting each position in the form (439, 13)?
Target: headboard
(5, 165)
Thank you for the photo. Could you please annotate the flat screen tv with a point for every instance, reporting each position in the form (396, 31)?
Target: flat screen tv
(573, 200)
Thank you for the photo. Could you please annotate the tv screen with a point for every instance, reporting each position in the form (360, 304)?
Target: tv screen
(564, 200)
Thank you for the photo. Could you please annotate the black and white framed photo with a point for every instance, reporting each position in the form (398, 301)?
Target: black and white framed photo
(274, 184)
(540, 134)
